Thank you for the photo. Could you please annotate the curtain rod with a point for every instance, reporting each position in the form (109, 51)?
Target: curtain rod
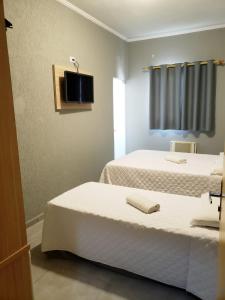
(219, 62)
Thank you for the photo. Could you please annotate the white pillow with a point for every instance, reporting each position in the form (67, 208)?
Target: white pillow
(207, 215)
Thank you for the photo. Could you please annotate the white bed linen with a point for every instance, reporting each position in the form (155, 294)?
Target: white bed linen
(94, 222)
(147, 169)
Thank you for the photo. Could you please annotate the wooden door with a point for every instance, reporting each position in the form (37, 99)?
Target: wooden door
(15, 276)
(221, 295)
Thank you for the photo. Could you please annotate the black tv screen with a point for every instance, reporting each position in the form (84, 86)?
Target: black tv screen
(78, 87)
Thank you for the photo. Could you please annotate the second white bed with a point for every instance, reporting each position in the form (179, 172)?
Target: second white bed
(147, 169)
(94, 222)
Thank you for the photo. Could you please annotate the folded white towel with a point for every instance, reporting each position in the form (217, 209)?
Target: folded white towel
(218, 171)
(176, 159)
(205, 221)
(207, 215)
(142, 203)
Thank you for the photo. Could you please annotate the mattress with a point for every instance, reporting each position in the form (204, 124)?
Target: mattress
(95, 222)
(146, 169)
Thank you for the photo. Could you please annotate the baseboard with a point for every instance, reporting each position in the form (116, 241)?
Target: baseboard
(35, 220)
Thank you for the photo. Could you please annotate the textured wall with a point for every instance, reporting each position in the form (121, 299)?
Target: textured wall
(189, 47)
(59, 150)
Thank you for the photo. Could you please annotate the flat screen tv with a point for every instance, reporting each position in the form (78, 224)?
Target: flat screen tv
(78, 87)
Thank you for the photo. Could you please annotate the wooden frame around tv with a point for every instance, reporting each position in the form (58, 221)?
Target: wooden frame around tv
(58, 75)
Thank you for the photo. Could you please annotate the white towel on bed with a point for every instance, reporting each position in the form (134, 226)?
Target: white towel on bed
(142, 203)
(176, 159)
(206, 214)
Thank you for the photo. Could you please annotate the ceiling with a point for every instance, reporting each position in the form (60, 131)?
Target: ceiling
(142, 19)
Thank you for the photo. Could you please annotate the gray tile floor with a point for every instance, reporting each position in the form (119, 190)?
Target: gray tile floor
(63, 276)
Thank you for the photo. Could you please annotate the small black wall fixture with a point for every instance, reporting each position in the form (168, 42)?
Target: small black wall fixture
(8, 24)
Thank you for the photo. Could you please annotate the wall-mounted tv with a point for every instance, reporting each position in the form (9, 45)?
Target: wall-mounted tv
(78, 87)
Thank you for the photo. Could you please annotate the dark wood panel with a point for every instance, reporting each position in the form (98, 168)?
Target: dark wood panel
(12, 233)
(15, 277)
(15, 280)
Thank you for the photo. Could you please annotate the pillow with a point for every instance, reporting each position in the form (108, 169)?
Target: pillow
(207, 215)
(217, 171)
(218, 166)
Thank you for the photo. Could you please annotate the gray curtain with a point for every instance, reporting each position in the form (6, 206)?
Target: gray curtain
(183, 98)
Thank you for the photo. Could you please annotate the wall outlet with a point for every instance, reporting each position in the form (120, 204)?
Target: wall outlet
(72, 59)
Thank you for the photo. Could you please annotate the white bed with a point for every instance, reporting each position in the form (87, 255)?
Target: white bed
(146, 169)
(94, 222)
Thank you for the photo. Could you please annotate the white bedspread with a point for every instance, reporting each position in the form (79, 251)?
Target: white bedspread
(146, 169)
(94, 222)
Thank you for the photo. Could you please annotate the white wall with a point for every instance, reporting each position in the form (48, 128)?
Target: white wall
(59, 151)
